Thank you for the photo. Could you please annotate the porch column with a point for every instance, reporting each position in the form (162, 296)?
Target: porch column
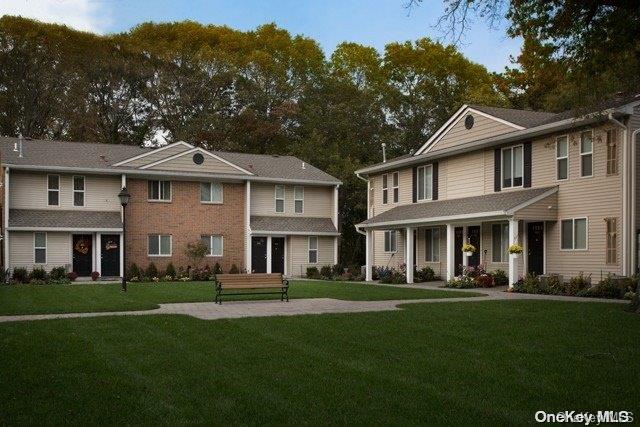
(408, 256)
(451, 258)
(513, 262)
(368, 256)
(121, 245)
(247, 227)
(465, 239)
(268, 254)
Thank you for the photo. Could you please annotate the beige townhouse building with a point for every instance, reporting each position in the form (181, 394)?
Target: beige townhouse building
(563, 186)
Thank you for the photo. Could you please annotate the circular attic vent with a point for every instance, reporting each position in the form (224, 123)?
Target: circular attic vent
(468, 121)
(198, 158)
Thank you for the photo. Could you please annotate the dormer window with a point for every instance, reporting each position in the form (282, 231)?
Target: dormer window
(512, 166)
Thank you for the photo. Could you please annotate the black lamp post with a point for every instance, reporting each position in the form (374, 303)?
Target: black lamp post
(124, 201)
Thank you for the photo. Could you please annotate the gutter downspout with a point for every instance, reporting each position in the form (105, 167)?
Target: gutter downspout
(632, 198)
(625, 196)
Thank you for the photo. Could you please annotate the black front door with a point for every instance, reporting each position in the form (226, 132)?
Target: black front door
(82, 253)
(473, 237)
(259, 254)
(535, 248)
(110, 255)
(277, 255)
(457, 242)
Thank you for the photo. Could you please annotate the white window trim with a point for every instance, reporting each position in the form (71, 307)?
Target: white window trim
(46, 252)
(586, 153)
(50, 190)
(295, 199)
(395, 232)
(385, 189)
(284, 197)
(309, 249)
(211, 236)
(426, 242)
(395, 187)
(504, 257)
(573, 234)
(159, 191)
(159, 255)
(513, 164)
(560, 158)
(211, 202)
(83, 191)
(425, 199)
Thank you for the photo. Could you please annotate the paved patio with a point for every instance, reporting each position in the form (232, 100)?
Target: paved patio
(239, 309)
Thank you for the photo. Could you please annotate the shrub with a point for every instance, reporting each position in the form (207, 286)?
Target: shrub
(38, 273)
(325, 272)
(37, 282)
(528, 285)
(354, 269)
(461, 282)
(58, 273)
(577, 284)
(391, 275)
(134, 271)
(552, 285)
(313, 273)
(201, 273)
(346, 277)
(609, 287)
(425, 274)
(152, 270)
(196, 251)
(20, 275)
(500, 278)
(72, 276)
(171, 271)
(337, 270)
(484, 280)
(473, 271)
(95, 275)
(234, 269)
(216, 268)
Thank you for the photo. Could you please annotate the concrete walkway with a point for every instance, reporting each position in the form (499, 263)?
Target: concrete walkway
(239, 309)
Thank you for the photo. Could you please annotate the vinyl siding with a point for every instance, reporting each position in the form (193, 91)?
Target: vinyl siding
(155, 156)
(298, 254)
(464, 175)
(486, 244)
(545, 209)
(483, 127)
(185, 163)
(440, 267)
(318, 201)
(22, 253)
(384, 259)
(405, 190)
(29, 191)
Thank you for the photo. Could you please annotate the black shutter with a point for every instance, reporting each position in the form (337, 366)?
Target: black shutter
(435, 181)
(497, 158)
(527, 165)
(415, 184)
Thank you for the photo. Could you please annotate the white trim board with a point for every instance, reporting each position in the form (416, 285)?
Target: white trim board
(153, 151)
(194, 150)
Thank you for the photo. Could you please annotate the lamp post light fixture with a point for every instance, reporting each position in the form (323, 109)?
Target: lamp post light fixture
(124, 201)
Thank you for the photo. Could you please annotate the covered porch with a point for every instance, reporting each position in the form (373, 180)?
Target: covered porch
(432, 234)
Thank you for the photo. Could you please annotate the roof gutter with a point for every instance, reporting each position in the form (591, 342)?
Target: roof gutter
(496, 140)
(146, 172)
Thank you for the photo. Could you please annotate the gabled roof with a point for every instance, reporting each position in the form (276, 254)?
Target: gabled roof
(490, 205)
(524, 118)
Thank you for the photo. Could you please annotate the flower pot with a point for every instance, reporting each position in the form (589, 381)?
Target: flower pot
(514, 255)
(468, 253)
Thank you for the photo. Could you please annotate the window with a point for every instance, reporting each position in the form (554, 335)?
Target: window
(385, 189)
(40, 248)
(390, 241)
(313, 249)
(586, 154)
(53, 187)
(612, 240)
(159, 245)
(396, 190)
(78, 191)
(159, 190)
(432, 245)
(213, 243)
(424, 175)
(562, 158)
(612, 152)
(298, 199)
(210, 192)
(573, 234)
(512, 166)
(279, 198)
(499, 242)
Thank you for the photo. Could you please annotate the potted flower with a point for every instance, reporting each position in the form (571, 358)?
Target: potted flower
(515, 250)
(468, 249)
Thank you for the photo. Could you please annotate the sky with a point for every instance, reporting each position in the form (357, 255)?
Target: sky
(330, 22)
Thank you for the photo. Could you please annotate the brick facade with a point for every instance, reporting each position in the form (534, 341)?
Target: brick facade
(186, 219)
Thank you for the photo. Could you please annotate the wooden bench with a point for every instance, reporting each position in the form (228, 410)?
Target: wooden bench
(251, 284)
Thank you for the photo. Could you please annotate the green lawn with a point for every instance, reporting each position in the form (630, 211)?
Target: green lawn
(27, 299)
(455, 363)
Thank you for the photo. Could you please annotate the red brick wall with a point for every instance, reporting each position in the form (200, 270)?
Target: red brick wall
(186, 219)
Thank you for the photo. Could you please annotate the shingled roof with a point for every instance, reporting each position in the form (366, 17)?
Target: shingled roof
(524, 118)
(78, 219)
(281, 224)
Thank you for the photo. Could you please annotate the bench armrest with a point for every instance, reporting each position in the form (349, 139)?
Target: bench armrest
(285, 283)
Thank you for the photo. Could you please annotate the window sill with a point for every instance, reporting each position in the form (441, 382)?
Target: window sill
(159, 256)
(158, 201)
(214, 256)
(211, 203)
